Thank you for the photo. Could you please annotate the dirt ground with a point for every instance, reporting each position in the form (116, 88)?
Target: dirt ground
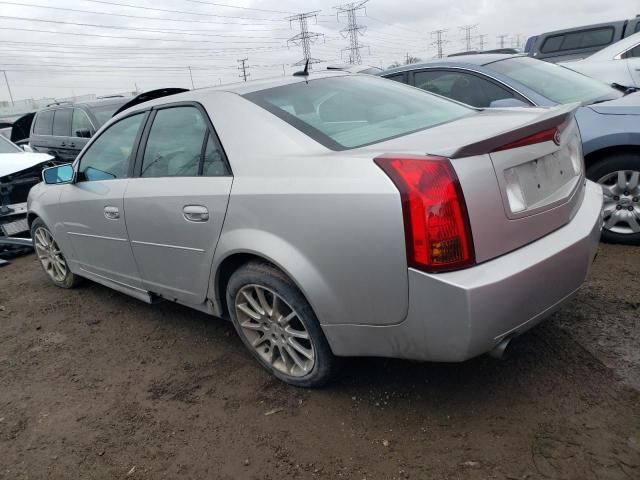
(94, 385)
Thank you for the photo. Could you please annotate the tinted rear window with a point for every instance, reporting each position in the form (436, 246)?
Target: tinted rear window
(44, 120)
(62, 122)
(353, 111)
(595, 37)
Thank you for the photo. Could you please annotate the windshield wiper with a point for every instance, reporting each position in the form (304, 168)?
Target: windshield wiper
(623, 89)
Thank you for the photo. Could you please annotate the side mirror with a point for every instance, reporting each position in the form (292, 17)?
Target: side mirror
(58, 174)
(508, 103)
(83, 133)
(27, 148)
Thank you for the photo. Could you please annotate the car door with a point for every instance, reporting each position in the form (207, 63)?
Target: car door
(63, 143)
(177, 201)
(80, 125)
(92, 208)
(466, 87)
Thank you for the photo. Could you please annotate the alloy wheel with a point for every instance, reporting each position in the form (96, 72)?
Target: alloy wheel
(621, 208)
(50, 255)
(274, 330)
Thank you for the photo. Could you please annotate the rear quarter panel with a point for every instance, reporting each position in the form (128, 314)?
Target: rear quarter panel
(331, 220)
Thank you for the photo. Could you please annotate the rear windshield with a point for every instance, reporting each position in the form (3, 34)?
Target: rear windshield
(558, 84)
(7, 147)
(103, 113)
(353, 111)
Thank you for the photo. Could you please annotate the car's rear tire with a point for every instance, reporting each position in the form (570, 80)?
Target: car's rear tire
(619, 176)
(278, 326)
(50, 256)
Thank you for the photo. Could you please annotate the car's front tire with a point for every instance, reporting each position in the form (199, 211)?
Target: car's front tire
(278, 326)
(51, 257)
(619, 176)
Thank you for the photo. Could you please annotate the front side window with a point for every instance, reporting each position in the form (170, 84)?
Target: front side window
(461, 86)
(44, 122)
(109, 155)
(62, 122)
(80, 122)
(554, 82)
(175, 144)
(353, 111)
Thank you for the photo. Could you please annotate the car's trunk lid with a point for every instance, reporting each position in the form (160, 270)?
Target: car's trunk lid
(514, 193)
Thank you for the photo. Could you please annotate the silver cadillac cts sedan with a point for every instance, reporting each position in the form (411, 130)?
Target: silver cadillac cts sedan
(329, 216)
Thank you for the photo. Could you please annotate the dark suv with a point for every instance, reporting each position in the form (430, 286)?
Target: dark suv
(63, 129)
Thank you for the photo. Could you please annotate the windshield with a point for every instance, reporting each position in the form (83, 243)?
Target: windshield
(7, 147)
(352, 111)
(103, 113)
(557, 83)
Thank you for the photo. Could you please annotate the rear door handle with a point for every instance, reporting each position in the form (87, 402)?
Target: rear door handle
(112, 213)
(63, 144)
(195, 213)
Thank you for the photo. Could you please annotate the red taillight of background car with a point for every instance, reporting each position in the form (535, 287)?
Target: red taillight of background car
(436, 222)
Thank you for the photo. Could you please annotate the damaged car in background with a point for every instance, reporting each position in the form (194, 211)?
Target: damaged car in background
(19, 171)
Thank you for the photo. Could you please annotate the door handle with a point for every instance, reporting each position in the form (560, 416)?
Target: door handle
(72, 145)
(63, 144)
(195, 213)
(112, 213)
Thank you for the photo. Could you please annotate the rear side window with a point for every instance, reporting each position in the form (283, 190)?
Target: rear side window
(461, 86)
(108, 156)
(175, 144)
(353, 111)
(396, 78)
(633, 53)
(43, 123)
(62, 122)
(595, 37)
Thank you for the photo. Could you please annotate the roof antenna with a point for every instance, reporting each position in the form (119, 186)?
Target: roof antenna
(305, 72)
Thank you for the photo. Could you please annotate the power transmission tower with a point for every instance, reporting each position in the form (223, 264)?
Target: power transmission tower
(243, 67)
(305, 38)
(468, 29)
(353, 30)
(439, 41)
(481, 41)
(515, 40)
(501, 39)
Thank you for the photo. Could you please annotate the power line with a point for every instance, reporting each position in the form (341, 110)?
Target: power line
(468, 29)
(305, 38)
(439, 41)
(234, 6)
(124, 15)
(153, 30)
(353, 30)
(244, 68)
(127, 38)
(167, 10)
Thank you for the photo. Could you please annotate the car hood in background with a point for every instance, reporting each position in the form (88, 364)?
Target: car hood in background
(12, 163)
(627, 105)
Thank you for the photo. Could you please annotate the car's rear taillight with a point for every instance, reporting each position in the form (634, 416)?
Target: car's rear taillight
(436, 222)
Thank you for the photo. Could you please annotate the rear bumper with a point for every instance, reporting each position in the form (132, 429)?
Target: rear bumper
(459, 315)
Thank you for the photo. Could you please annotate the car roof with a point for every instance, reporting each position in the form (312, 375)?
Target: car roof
(239, 88)
(473, 59)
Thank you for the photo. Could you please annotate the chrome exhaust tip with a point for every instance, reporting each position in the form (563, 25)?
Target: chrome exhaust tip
(500, 351)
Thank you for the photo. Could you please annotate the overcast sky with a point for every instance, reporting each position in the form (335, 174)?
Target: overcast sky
(74, 47)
